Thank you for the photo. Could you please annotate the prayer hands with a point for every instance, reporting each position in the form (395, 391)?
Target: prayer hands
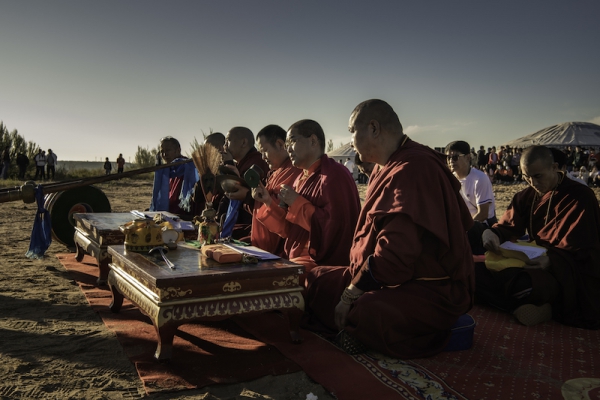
(491, 241)
(261, 194)
(541, 262)
(233, 168)
(238, 193)
(226, 156)
(287, 194)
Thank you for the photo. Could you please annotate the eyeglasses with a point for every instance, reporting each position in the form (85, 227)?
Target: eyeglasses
(454, 157)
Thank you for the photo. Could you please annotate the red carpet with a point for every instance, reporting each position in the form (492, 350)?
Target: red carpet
(203, 354)
(507, 361)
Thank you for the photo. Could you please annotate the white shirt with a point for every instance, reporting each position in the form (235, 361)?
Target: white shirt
(40, 159)
(576, 178)
(476, 189)
(350, 165)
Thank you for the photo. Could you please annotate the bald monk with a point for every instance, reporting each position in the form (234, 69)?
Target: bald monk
(235, 209)
(564, 217)
(411, 268)
(271, 143)
(317, 213)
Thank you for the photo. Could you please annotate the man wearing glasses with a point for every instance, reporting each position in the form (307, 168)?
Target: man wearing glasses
(476, 190)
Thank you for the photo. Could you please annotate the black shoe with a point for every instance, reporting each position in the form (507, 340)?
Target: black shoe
(349, 343)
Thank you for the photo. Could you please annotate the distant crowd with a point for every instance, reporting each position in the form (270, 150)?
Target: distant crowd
(503, 166)
(45, 164)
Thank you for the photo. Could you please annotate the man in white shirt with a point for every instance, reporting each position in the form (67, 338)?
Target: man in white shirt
(350, 165)
(40, 164)
(476, 190)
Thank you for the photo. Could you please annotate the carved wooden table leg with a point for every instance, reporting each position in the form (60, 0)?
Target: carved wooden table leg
(103, 261)
(165, 334)
(79, 252)
(117, 297)
(294, 316)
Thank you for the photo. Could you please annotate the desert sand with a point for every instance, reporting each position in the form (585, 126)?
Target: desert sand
(52, 345)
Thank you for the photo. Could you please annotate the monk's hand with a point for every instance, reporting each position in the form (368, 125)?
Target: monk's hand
(341, 314)
(541, 262)
(239, 192)
(261, 194)
(351, 294)
(288, 194)
(226, 157)
(491, 241)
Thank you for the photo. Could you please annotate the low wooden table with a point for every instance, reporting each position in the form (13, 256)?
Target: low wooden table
(94, 232)
(201, 289)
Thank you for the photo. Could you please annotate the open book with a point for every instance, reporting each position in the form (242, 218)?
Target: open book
(524, 251)
(513, 255)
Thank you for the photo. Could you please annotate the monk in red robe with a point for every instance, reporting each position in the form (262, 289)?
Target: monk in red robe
(564, 217)
(240, 154)
(318, 213)
(271, 143)
(411, 269)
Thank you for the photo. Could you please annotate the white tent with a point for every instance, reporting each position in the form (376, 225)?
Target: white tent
(583, 134)
(342, 154)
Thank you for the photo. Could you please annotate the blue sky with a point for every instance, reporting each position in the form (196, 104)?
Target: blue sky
(92, 79)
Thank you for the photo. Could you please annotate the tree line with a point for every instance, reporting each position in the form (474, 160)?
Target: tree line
(16, 144)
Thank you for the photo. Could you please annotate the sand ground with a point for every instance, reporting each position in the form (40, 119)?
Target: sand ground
(53, 346)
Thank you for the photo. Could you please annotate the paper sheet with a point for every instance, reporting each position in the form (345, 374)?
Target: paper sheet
(253, 251)
(530, 251)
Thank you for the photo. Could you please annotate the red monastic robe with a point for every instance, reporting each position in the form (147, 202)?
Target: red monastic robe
(335, 206)
(261, 236)
(410, 255)
(243, 224)
(571, 236)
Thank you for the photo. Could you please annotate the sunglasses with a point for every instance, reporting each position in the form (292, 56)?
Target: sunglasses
(455, 157)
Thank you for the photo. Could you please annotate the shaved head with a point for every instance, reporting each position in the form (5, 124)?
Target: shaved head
(307, 128)
(240, 132)
(537, 153)
(539, 169)
(216, 139)
(380, 111)
(238, 142)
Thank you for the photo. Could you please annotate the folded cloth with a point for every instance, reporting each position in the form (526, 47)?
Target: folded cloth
(230, 218)
(41, 234)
